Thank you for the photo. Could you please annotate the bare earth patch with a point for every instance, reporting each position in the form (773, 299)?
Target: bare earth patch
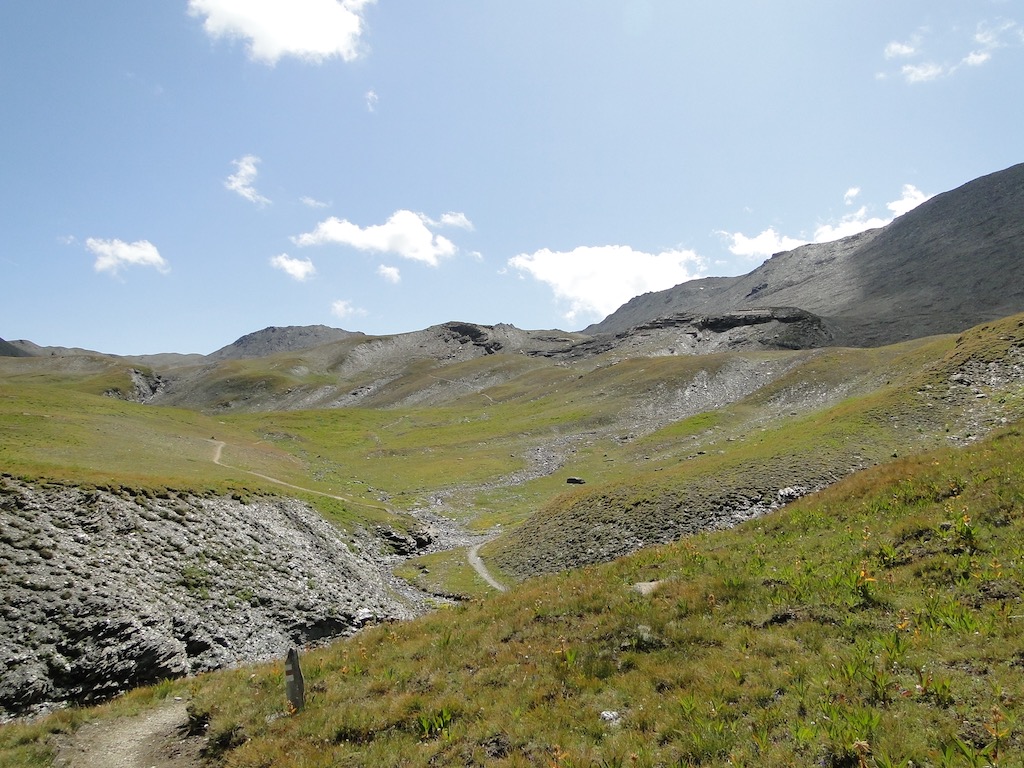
(156, 738)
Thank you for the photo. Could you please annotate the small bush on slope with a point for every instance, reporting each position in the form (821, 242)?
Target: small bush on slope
(876, 623)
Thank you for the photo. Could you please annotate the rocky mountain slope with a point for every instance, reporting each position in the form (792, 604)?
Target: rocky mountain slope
(9, 350)
(273, 340)
(950, 263)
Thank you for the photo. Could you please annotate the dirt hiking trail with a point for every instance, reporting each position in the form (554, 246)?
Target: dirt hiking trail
(156, 738)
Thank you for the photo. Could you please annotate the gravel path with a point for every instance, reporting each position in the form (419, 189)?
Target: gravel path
(473, 553)
(152, 739)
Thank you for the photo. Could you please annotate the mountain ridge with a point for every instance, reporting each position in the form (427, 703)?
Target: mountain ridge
(940, 268)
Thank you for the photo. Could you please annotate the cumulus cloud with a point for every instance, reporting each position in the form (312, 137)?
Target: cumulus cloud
(758, 246)
(312, 202)
(771, 242)
(909, 200)
(391, 274)
(596, 280)
(456, 219)
(342, 309)
(371, 100)
(850, 224)
(405, 233)
(310, 30)
(113, 255)
(242, 180)
(299, 269)
(851, 195)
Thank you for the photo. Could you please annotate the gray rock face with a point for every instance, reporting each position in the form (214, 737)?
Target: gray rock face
(952, 262)
(145, 386)
(105, 591)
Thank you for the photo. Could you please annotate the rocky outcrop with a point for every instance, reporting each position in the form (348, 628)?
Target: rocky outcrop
(145, 386)
(766, 327)
(470, 333)
(109, 589)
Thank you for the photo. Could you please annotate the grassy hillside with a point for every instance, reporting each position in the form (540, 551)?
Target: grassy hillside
(840, 411)
(58, 425)
(876, 623)
(667, 445)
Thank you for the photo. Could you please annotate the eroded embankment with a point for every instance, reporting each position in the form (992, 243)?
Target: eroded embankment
(104, 591)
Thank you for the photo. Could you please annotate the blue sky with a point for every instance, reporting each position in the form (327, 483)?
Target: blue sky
(179, 173)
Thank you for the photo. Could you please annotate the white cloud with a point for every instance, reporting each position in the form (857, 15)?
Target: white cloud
(989, 37)
(911, 198)
(851, 195)
(762, 245)
(976, 58)
(405, 234)
(371, 100)
(241, 181)
(922, 73)
(896, 50)
(391, 274)
(597, 280)
(990, 34)
(850, 224)
(312, 202)
(456, 219)
(771, 242)
(112, 255)
(344, 309)
(311, 30)
(299, 269)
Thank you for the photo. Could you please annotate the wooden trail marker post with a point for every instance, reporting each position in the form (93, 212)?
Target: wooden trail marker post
(294, 685)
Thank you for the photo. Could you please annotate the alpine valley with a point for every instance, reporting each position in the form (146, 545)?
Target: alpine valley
(773, 519)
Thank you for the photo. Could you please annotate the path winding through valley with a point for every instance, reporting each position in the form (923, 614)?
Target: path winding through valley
(472, 553)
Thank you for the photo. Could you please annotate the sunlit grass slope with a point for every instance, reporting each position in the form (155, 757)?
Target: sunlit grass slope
(662, 450)
(876, 623)
(899, 400)
(62, 428)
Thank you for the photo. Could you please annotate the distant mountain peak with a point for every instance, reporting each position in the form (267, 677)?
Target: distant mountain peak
(951, 263)
(275, 339)
(9, 350)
